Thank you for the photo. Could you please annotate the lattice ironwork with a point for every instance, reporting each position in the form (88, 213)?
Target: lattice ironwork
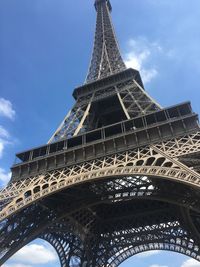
(75, 122)
(140, 227)
(132, 101)
(158, 161)
(106, 58)
(68, 247)
(101, 197)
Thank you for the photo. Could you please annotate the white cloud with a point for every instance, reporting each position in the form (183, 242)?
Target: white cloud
(4, 176)
(6, 109)
(1, 147)
(156, 265)
(35, 254)
(3, 132)
(191, 263)
(16, 265)
(139, 55)
(4, 136)
(148, 253)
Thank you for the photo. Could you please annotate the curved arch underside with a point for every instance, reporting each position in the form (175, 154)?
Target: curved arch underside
(101, 223)
(184, 247)
(72, 254)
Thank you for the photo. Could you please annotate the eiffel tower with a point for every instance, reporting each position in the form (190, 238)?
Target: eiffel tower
(120, 176)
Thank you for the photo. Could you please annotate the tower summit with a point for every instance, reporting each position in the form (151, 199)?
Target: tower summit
(106, 57)
(99, 2)
(120, 176)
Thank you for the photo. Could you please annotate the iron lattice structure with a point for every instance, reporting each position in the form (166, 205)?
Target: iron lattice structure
(120, 176)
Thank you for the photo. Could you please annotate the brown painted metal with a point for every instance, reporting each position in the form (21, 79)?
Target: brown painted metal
(120, 176)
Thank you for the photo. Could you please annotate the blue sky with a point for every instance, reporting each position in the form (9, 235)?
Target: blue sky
(45, 47)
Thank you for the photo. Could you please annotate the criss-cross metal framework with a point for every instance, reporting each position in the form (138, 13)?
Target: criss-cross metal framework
(120, 176)
(106, 58)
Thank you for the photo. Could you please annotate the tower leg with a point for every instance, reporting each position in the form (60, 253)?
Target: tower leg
(68, 247)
